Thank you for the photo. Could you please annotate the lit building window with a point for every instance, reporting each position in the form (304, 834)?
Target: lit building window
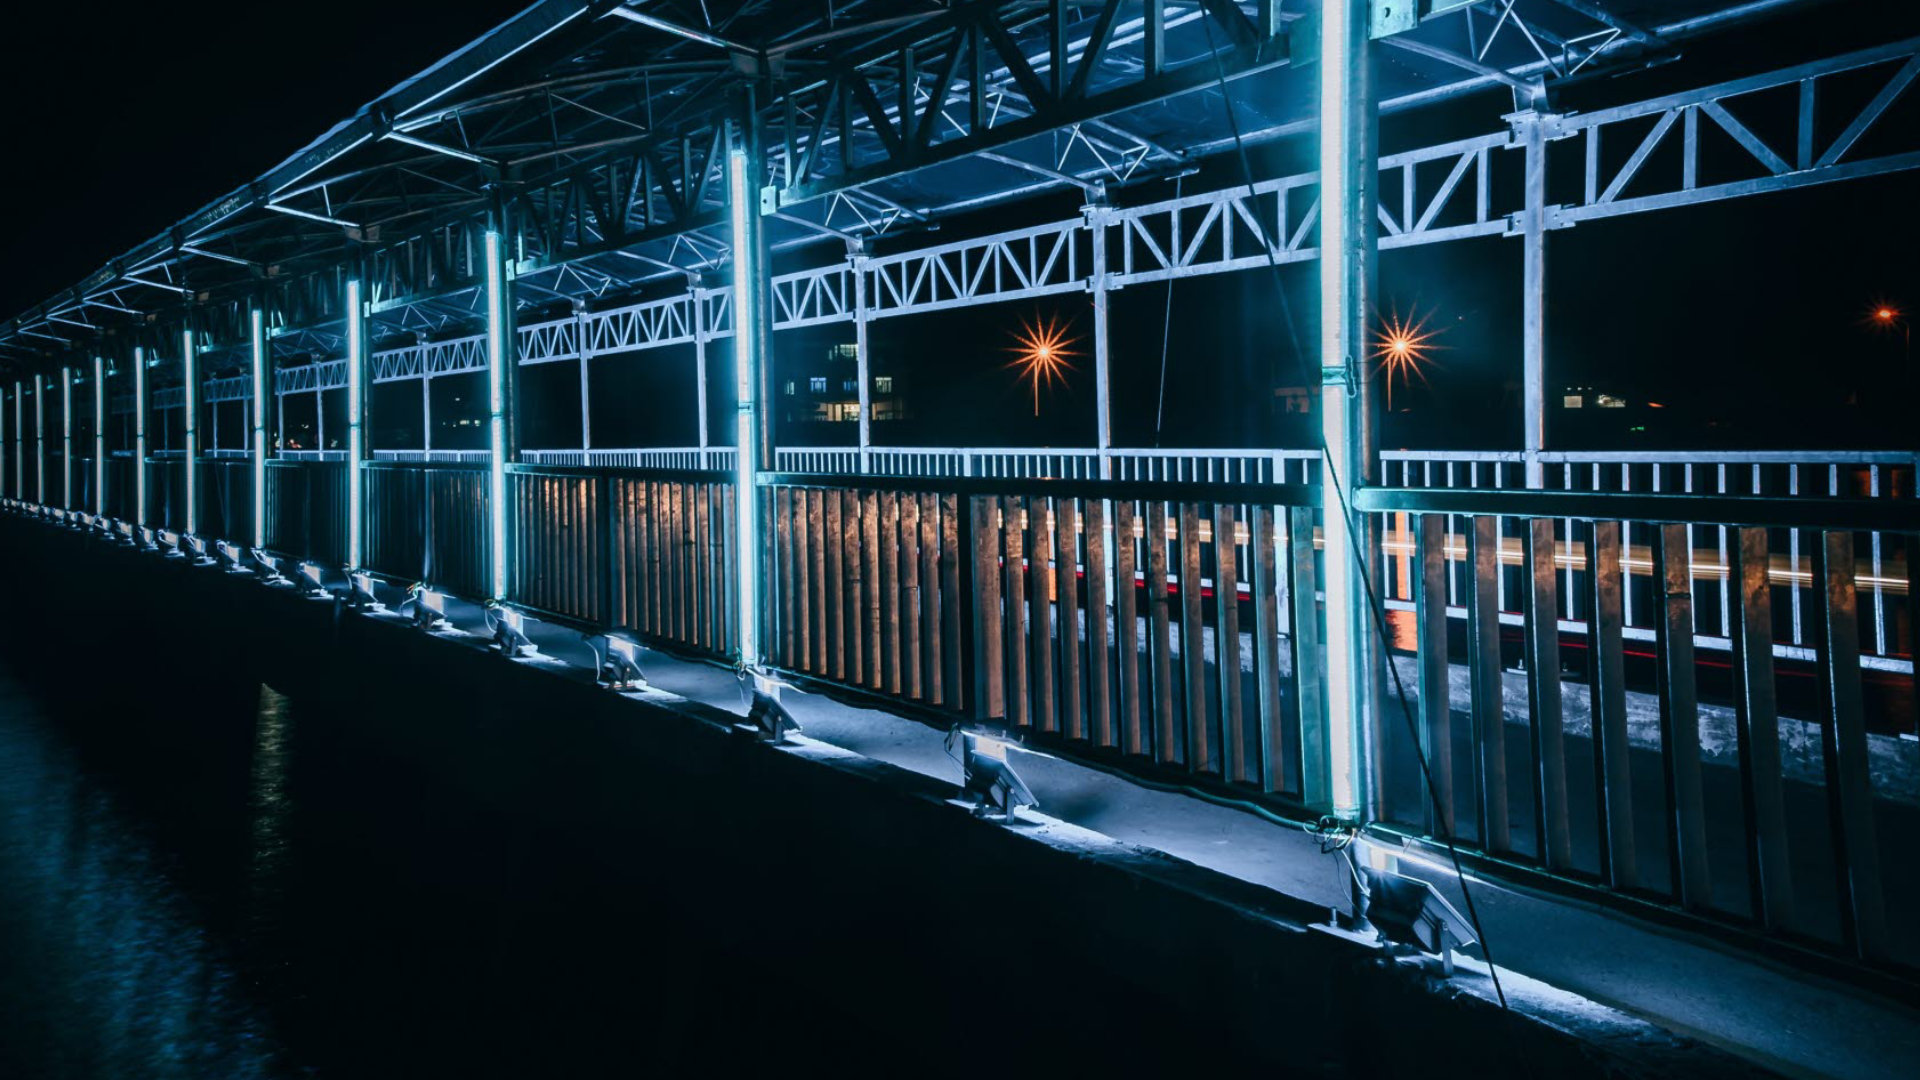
(1608, 401)
(817, 384)
(1572, 401)
(789, 387)
(883, 384)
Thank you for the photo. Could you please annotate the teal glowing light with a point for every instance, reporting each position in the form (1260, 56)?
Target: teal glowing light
(258, 340)
(139, 435)
(745, 362)
(66, 437)
(190, 366)
(496, 417)
(356, 354)
(99, 436)
(39, 440)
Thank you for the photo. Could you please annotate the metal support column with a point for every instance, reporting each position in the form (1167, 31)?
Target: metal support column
(139, 436)
(66, 438)
(258, 444)
(862, 363)
(1096, 215)
(3, 446)
(1348, 127)
(1533, 276)
(39, 439)
(501, 350)
(190, 397)
(752, 337)
(586, 399)
(356, 420)
(19, 441)
(99, 436)
(700, 367)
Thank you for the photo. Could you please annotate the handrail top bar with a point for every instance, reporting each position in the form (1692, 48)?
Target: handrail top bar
(1662, 457)
(638, 472)
(1155, 490)
(1770, 511)
(388, 464)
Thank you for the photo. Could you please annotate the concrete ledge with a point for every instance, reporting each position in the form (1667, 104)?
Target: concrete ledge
(1069, 946)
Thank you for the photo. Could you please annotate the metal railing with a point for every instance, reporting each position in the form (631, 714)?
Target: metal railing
(694, 458)
(1748, 802)
(429, 523)
(1177, 466)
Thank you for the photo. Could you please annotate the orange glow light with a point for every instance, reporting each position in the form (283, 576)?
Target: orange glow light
(1041, 349)
(1404, 347)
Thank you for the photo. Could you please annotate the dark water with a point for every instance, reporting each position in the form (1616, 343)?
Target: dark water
(258, 899)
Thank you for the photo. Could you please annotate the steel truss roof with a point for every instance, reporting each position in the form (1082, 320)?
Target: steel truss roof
(601, 126)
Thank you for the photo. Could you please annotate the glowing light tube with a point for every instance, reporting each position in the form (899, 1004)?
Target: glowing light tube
(190, 367)
(258, 340)
(496, 416)
(745, 363)
(99, 436)
(356, 355)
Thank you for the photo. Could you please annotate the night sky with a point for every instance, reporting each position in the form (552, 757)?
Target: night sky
(1743, 320)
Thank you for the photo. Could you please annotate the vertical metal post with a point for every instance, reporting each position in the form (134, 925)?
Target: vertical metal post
(586, 417)
(1348, 124)
(19, 440)
(426, 414)
(700, 335)
(66, 438)
(3, 445)
(139, 436)
(39, 439)
(1096, 215)
(190, 403)
(1533, 277)
(356, 415)
(500, 360)
(752, 325)
(257, 438)
(99, 436)
(863, 367)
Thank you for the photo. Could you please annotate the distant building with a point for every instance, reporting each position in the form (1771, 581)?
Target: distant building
(1588, 397)
(828, 391)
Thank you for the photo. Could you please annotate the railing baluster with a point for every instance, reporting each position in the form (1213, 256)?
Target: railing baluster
(1226, 643)
(784, 551)
(1309, 691)
(834, 541)
(1769, 875)
(1066, 591)
(1200, 751)
(1013, 525)
(1040, 607)
(1266, 649)
(906, 669)
(1843, 744)
(871, 586)
(1613, 778)
(1552, 835)
(989, 642)
(1126, 632)
(1483, 669)
(1099, 637)
(946, 617)
(1680, 718)
(1430, 627)
(1160, 630)
(889, 587)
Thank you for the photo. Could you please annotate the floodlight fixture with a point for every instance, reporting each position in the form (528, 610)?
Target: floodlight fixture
(313, 578)
(509, 630)
(147, 541)
(232, 554)
(985, 773)
(426, 606)
(1411, 913)
(766, 716)
(268, 564)
(363, 591)
(619, 667)
(196, 547)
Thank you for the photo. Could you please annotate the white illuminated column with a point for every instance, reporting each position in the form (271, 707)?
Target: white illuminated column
(497, 360)
(99, 436)
(190, 394)
(19, 442)
(66, 437)
(139, 435)
(356, 351)
(1347, 170)
(39, 440)
(258, 339)
(746, 360)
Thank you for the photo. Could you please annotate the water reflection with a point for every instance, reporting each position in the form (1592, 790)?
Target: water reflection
(105, 970)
